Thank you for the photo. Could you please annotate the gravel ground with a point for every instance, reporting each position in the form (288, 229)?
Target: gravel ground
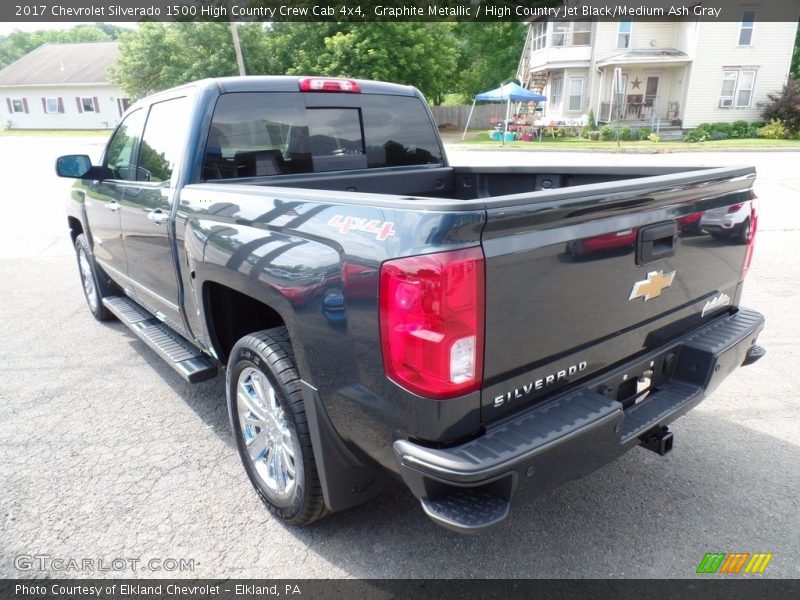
(105, 453)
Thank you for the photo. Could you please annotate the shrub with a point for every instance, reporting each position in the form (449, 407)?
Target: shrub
(625, 134)
(592, 123)
(783, 106)
(643, 133)
(697, 135)
(607, 133)
(594, 135)
(719, 135)
(654, 137)
(742, 129)
(774, 130)
(724, 128)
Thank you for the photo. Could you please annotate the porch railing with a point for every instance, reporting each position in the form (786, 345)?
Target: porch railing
(631, 110)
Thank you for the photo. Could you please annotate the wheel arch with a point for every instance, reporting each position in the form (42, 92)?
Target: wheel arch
(232, 313)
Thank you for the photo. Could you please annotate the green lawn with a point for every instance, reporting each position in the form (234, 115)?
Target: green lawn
(577, 144)
(55, 132)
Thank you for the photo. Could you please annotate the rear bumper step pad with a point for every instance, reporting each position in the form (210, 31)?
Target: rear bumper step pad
(470, 486)
(181, 355)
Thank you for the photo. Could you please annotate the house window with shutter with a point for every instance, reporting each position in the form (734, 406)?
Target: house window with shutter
(89, 105)
(18, 105)
(51, 105)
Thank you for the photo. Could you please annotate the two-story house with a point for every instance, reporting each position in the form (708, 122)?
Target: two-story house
(668, 73)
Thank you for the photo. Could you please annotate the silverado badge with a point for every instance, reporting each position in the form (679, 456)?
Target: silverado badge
(652, 287)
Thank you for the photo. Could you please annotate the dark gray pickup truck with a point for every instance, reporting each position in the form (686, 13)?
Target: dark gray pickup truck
(478, 333)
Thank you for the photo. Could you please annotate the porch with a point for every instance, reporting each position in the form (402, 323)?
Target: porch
(651, 88)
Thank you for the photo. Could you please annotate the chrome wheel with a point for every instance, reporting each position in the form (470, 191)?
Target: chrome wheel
(87, 276)
(268, 439)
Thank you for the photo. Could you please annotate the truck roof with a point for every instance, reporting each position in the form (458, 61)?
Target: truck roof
(280, 83)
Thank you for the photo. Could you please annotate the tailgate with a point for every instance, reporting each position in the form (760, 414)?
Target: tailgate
(581, 278)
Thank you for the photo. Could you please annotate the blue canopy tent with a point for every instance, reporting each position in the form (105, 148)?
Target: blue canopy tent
(505, 93)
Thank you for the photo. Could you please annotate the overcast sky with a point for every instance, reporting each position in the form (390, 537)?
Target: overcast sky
(6, 28)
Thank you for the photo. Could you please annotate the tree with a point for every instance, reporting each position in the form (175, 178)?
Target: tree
(19, 43)
(157, 56)
(424, 55)
(795, 68)
(784, 106)
(489, 55)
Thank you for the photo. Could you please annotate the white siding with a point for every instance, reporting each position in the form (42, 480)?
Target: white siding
(106, 117)
(684, 34)
(566, 76)
(717, 47)
(662, 35)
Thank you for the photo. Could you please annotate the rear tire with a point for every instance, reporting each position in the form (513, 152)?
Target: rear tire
(95, 283)
(269, 424)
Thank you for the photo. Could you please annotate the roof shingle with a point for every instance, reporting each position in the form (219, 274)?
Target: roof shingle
(62, 64)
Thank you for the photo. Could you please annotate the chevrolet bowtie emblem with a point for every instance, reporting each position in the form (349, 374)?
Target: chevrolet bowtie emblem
(652, 287)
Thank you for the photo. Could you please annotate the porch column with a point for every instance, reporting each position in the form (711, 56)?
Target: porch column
(600, 95)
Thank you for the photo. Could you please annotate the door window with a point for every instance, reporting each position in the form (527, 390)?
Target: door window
(120, 157)
(164, 137)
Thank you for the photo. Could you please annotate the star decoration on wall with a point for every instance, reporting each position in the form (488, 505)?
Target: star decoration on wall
(635, 84)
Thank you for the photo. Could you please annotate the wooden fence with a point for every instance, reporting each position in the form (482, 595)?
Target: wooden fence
(455, 117)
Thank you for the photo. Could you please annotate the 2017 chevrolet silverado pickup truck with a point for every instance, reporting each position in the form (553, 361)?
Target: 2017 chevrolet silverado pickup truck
(381, 313)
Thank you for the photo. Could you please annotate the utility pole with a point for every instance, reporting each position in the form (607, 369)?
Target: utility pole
(237, 48)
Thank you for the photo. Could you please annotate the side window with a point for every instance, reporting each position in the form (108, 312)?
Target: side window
(120, 152)
(163, 140)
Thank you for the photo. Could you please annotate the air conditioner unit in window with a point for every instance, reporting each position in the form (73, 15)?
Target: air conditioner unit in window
(725, 102)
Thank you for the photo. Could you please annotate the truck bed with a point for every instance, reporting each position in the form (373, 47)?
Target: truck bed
(560, 247)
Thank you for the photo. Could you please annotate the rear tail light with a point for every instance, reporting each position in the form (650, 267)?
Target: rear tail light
(329, 84)
(431, 322)
(734, 208)
(751, 240)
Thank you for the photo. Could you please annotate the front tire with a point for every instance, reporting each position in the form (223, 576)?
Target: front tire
(94, 288)
(269, 424)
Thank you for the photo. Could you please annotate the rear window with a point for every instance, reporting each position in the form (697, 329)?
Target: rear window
(271, 133)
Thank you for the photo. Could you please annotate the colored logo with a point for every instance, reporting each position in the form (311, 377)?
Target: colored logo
(734, 563)
(656, 282)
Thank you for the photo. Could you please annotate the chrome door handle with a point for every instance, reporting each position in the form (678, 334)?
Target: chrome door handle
(113, 205)
(157, 216)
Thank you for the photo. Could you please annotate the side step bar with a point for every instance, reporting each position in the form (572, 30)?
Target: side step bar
(181, 355)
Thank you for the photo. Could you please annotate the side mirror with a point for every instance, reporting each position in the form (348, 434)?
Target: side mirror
(74, 166)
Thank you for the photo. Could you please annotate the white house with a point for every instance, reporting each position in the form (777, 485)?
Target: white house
(62, 86)
(673, 73)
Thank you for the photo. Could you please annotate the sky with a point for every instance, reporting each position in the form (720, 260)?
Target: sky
(6, 28)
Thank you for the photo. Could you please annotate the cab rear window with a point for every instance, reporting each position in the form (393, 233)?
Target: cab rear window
(259, 134)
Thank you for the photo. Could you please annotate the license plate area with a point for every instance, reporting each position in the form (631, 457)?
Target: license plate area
(632, 385)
